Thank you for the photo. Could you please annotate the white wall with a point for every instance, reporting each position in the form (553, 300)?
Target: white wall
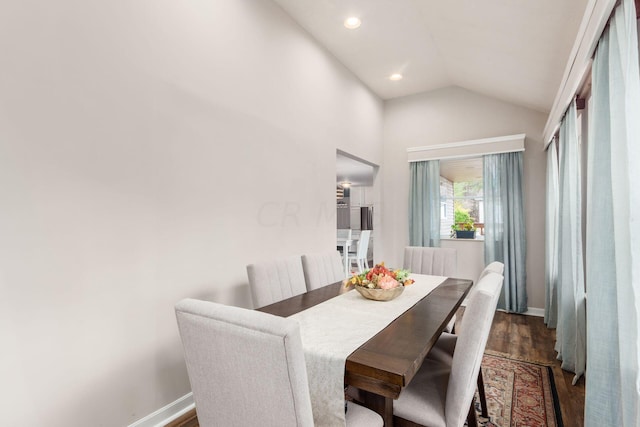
(149, 150)
(451, 115)
(470, 256)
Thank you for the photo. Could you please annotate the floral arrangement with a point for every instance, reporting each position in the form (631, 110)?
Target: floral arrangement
(380, 277)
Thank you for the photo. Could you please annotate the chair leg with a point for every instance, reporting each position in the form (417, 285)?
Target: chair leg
(472, 420)
(483, 398)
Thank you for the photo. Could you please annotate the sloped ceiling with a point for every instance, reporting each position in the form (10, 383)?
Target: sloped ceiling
(514, 50)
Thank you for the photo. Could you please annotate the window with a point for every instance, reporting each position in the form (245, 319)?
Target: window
(443, 209)
(461, 194)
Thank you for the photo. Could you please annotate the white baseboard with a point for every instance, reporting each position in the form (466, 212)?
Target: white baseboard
(532, 311)
(165, 415)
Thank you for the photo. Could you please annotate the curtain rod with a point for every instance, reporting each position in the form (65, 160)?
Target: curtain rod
(578, 67)
(581, 103)
(552, 129)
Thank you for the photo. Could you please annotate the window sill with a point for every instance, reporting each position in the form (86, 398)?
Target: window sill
(477, 239)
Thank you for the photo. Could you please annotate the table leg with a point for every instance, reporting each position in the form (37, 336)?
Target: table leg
(380, 404)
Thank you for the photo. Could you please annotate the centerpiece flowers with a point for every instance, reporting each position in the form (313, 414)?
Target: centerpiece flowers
(380, 283)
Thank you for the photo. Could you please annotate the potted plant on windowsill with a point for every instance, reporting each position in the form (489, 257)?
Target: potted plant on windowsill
(463, 230)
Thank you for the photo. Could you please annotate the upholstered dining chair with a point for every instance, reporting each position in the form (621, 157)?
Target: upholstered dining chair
(494, 267)
(442, 392)
(360, 255)
(248, 368)
(274, 281)
(433, 261)
(322, 269)
(444, 348)
(498, 268)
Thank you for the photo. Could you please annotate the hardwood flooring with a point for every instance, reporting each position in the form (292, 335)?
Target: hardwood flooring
(528, 338)
(521, 337)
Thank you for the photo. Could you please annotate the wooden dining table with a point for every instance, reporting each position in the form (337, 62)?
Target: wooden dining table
(384, 365)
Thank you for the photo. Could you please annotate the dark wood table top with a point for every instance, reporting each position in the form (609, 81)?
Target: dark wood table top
(389, 360)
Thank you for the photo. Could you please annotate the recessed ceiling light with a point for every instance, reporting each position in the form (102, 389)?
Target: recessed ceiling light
(395, 77)
(352, 23)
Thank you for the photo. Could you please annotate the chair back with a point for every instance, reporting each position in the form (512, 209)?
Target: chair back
(494, 267)
(322, 269)
(434, 261)
(344, 233)
(363, 244)
(274, 281)
(467, 357)
(245, 367)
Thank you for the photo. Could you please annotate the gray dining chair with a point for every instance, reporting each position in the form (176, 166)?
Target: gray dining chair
(444, 348)
(442, 393)
(432, 261)
(493, 267)
(321, 269)
(274, 281)
(248, 368)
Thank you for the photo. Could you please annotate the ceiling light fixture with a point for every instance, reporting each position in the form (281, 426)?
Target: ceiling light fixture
(395, 77)
(352, 22)
(345, 184)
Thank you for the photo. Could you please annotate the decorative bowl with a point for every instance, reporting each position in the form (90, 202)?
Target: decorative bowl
(378, 294)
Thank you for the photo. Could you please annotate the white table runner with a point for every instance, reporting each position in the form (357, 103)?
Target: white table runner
(334, 329)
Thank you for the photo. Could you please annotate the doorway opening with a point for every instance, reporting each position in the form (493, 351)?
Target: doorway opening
(355, 205)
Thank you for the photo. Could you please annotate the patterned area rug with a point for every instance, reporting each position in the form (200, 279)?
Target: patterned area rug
(518, 394)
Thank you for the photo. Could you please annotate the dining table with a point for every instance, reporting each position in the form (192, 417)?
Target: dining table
(384, 364)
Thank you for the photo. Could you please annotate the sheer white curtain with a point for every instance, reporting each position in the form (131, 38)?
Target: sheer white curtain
(424, 203)
(570, 330)
(613, 212)
(551, 238)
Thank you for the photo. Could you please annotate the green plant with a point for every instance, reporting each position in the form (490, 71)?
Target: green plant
(461, 215)
(463, 226)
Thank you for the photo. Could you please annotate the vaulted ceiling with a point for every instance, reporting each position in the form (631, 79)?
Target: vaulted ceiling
(514, 50)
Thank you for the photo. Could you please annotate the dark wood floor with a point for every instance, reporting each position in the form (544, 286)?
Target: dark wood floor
(527, 337)
(522, 337)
